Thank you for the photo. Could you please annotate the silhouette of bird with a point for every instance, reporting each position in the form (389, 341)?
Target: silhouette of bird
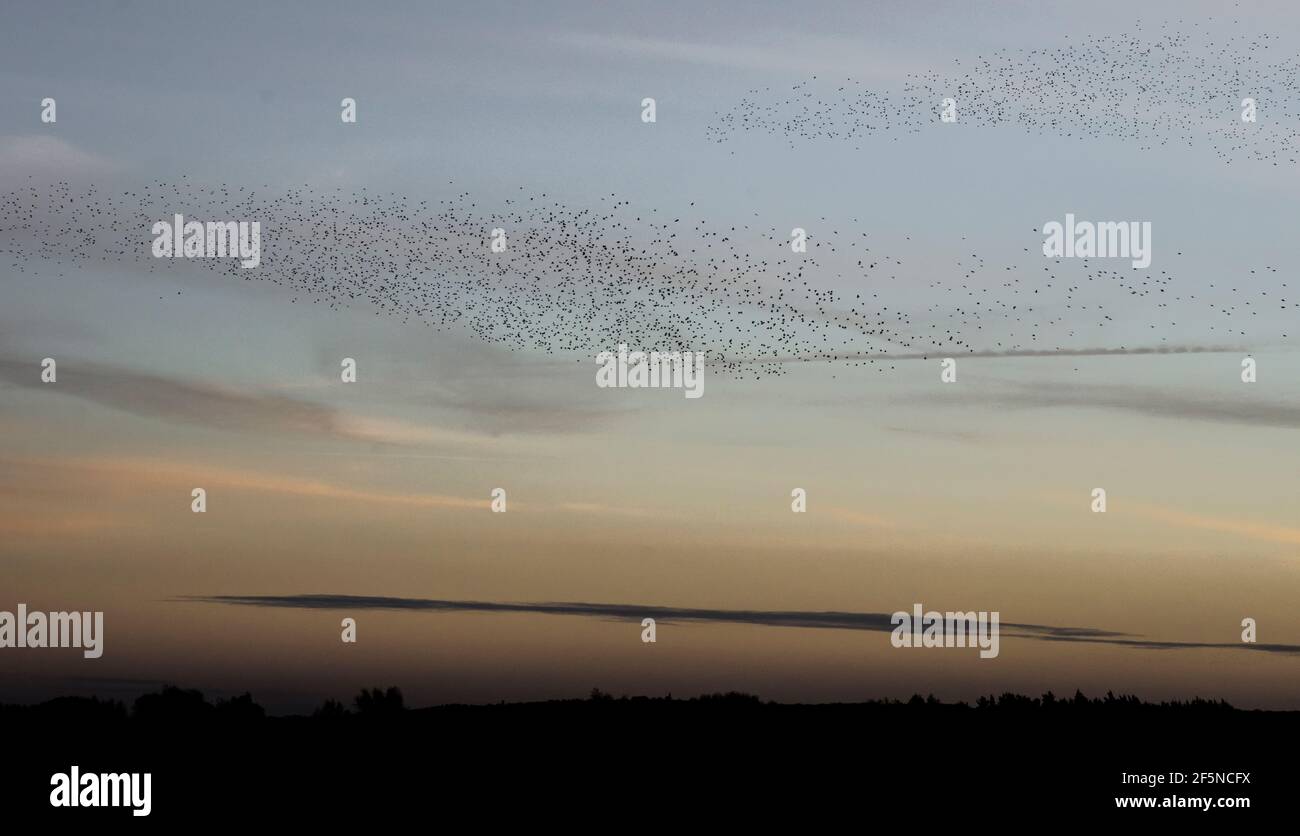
(576, 281)
(1184, 85)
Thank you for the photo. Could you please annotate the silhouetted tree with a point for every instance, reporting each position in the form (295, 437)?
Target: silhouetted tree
(82, 709)
(330, 710)
(377, 703)
(730, 699)
(240, 709)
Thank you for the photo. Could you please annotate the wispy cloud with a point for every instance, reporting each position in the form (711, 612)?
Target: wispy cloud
(469, 385)
(43, 156)
(1145, 400)
(1244, 528)
(28, 475)
(27, 526)
(775, 52)
(938, 353)
(209, 405)
(869, 621)
(145, 472)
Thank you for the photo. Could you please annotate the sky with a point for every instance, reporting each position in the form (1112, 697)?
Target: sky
(974, 495)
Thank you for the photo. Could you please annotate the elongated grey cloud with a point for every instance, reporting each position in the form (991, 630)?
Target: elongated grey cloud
(1145, 400)
(156, 396)
(830, 620)
(1027, 352)
(45, 157)
(203, 404)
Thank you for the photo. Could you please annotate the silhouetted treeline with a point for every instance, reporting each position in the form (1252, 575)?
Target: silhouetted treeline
(189, 706)
(707, 752)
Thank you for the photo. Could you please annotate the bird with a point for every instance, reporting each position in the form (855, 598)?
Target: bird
(1183, 85)
(573, 281)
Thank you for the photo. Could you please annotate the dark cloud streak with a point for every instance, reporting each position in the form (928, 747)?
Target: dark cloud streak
(1145, 400)
(155, 396)
(874, 622)
(958, 354)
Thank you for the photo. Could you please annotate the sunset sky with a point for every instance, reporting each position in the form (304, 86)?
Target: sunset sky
(969, 496)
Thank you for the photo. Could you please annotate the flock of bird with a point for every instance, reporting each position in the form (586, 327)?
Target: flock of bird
(575, 281)
(1179, 87)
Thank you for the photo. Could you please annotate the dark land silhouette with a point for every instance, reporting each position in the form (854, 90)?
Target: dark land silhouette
(715, 754)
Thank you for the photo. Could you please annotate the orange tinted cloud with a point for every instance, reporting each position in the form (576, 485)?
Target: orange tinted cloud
(1252, 530)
